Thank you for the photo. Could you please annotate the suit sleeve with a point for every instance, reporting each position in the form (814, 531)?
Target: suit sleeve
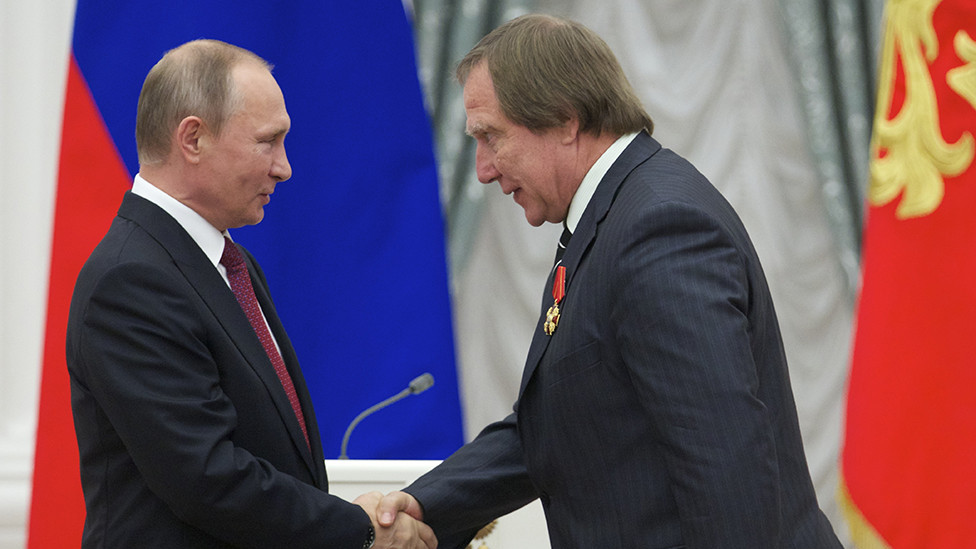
(681, 321)
(147, 362)
(482, 481)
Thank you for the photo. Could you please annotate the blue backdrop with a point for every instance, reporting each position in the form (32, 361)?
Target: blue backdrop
(353, 244)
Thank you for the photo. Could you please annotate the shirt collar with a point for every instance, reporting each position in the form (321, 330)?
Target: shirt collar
(592, 180)
(210, 240)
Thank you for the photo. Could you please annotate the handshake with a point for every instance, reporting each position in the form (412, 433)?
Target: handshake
(397, 519)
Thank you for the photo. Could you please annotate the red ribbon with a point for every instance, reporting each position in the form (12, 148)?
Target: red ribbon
(559, 284)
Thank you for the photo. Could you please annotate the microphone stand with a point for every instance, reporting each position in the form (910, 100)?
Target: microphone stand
(418, 385)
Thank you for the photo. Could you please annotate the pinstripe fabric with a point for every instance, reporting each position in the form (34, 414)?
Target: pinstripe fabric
(660, 413)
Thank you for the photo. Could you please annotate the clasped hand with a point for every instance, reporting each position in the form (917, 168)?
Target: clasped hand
(397, 519)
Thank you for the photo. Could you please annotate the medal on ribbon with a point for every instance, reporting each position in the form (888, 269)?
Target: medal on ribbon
(558, 292)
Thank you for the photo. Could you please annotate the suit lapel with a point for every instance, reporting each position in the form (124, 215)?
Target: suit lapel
(212, 289)
(639, 150)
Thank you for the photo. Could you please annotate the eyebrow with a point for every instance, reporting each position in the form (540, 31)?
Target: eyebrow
(273, 133)
(477, 128)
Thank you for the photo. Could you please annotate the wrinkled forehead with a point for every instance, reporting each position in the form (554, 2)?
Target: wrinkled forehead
(480, 102)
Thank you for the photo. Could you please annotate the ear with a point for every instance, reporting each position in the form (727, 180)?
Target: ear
(569, 131)
(191, 136)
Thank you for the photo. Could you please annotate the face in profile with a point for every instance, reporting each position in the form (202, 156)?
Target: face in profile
(247, 160)
(529, 166)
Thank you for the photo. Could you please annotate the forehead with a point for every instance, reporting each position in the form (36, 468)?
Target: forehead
(261, 98)
(480, 101)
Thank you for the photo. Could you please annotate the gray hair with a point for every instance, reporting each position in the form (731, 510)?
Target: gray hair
(546, 70)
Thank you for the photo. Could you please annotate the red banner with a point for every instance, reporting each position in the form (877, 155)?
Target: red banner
(911, 417)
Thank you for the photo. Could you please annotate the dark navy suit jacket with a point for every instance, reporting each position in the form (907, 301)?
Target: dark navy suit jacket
(186, 436)
(659, 414)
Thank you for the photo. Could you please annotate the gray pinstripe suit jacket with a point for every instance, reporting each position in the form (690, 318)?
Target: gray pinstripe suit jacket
(660, 413)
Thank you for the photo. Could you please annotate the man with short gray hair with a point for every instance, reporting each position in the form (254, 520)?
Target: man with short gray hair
(194, 424)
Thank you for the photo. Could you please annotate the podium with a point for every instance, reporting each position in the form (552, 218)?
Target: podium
(348, 478)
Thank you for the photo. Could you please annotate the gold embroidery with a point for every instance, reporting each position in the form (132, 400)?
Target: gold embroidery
(962, 79)
(482, 534)
(908, 152)
(863, 534)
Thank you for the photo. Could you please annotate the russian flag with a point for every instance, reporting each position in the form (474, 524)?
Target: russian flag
(352, 245)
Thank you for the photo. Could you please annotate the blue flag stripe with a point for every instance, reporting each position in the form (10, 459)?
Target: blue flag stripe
(353, 244)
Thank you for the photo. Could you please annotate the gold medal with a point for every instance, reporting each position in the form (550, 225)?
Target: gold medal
(552, 319)
(558, 292)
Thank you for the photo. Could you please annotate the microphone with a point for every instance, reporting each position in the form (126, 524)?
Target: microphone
(418, 385)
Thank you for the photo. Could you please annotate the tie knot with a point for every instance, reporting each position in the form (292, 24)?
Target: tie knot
(231, 259)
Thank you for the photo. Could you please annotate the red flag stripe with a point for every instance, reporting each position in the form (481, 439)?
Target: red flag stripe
(91, 181)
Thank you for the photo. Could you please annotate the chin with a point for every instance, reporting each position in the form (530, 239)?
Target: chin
(256, 218)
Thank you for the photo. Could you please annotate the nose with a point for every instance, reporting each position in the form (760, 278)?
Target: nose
(485, 164)
(280, 167)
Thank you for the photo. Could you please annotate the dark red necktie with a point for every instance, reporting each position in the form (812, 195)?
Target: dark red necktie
(240, 283)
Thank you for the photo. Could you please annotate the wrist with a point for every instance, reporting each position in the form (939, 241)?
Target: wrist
(370, 537)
